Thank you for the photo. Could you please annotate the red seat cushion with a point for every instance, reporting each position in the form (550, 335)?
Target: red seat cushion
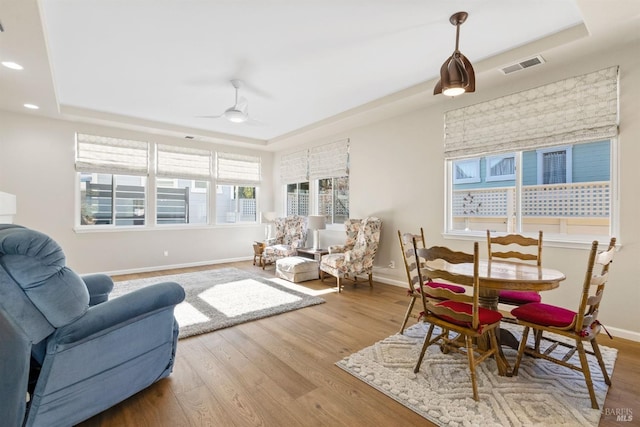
(453, 288)
(544, 314)
(485, 316)
(518, 297)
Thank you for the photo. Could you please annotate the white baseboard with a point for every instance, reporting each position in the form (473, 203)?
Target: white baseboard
(172, 266)
(390, 281)
(619, 333)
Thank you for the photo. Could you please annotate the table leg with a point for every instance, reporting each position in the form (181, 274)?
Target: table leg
(488, 298)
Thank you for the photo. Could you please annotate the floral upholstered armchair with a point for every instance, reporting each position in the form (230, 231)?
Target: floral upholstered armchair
(291, 234)
(359, 258)
(351, 228)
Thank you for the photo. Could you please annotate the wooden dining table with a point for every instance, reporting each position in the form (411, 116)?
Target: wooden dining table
(496, 275)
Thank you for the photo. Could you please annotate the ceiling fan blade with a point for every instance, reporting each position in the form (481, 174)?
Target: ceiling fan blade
(242, 104)
(211, 117)
(253, 122)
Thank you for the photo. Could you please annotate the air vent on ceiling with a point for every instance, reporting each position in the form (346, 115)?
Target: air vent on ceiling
(521, 65)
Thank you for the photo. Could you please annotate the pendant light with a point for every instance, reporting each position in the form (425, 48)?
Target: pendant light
(456, 74)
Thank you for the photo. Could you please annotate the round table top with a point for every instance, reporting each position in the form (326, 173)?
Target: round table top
(508, 275)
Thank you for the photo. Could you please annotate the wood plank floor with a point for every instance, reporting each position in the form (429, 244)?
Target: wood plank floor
(280, 371)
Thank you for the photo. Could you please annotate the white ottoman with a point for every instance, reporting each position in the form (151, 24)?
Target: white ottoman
(297, 269)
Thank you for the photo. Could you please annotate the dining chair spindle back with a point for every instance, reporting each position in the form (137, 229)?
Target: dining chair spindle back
(411, 264)
(579, 326)
(514, 246)
(460, 313)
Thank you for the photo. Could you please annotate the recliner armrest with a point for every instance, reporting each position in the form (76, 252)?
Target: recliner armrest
(124, 309)
(99, 286)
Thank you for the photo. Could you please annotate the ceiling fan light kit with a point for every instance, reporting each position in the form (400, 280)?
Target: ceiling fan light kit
(456, 74)
(238, 112)
(235, 116)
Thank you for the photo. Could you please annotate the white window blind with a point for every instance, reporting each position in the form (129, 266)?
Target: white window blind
(329, 160)
(111, 155)
(236, 169)
(578, 109)
(182, 162)
(294, 167)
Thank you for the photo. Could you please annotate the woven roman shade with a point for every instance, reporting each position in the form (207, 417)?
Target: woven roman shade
(182, 162)
(329, 160)
(237, 169)
(578, 109)
(111, 155)
(294, 167)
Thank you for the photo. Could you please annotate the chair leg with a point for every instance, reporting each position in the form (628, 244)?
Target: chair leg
(338, 283)
(425, 344)
(596, 352)
(587, 373)
(371, 280)
(472, 366)
(538, 334)
(502, 369)
(521, 347)
(408, 313)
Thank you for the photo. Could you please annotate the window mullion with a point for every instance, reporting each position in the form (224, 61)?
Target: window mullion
(518, 195)
(114, 199)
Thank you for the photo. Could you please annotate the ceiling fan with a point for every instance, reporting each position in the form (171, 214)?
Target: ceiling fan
(239, 111)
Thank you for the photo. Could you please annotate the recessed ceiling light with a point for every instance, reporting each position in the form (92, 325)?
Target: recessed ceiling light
(31, 106)
(12, 65)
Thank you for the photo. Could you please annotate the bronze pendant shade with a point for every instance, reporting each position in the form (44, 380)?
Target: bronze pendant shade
(456, 74)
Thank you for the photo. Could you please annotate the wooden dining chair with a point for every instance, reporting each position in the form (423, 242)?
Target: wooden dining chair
(579, 326)
(413, 280)
(459, 313)
(514, 246)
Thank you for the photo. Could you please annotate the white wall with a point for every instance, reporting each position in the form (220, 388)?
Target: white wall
(37, 165)
(397, 173)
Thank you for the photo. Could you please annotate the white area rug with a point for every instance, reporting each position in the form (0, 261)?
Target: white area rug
(225, 297)
(543, 393)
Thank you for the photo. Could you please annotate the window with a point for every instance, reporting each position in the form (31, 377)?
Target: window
(571, 200)
(501, 168)
(297, 198)
(237, 178)
(329, 169)
(182, 185)
(181, 201)
(333, 199)
(112, 199)
(112, 176)
(563, 136)
(466, 171)
(554, 165)
(235, 204)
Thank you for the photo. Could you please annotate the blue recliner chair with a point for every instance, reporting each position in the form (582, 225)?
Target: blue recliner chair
(66, 351)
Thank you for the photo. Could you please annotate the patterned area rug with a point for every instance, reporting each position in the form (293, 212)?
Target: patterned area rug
(225, 297)
(543, 393)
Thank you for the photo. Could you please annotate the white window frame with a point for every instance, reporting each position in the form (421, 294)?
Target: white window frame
(330, 217)
(568, 149)
(286, 197)
(551, 240)
(474, 166)
(95, 154)
(492, 160)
